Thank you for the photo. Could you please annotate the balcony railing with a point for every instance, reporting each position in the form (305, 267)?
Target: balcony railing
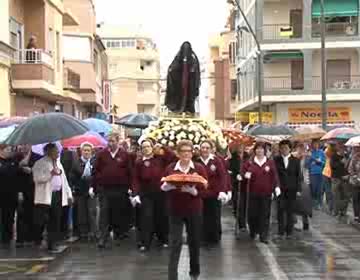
(282, 83)
(71, 79)
(337, 82)
(282, 31)
(33, 56)
(336, 29)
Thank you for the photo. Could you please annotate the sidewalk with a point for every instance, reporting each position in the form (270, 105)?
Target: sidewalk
(26, 261)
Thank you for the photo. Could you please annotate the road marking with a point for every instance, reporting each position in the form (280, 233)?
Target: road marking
(35, 269)
(44, 259)
(270, 259)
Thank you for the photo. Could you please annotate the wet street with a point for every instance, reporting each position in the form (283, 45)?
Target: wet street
(331, 250)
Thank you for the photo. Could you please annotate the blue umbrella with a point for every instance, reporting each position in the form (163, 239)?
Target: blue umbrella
(5, 132)
(100, 126)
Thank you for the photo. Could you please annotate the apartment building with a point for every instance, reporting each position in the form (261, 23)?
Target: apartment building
(37, 70)
(219, 79)
(85, 60)
(289, 35)
(134, 69)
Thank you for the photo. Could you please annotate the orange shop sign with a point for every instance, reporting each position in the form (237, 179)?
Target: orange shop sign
(335, 114)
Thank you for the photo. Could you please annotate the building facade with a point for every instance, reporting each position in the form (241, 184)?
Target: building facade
(289, 35)
(85, 60)
(220, 72)
(37, 70)
(134, 70)
(36, 75)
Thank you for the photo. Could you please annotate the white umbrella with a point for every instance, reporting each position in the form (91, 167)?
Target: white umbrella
(353, 142)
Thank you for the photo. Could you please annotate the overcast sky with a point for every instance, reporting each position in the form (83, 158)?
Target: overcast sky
(170, 22)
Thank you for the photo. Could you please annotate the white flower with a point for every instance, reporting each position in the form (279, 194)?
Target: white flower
(166, 133)
(191, 136)
(267, 168)
(163, 141)
(159, 136)
(172, 137)
(171, 144)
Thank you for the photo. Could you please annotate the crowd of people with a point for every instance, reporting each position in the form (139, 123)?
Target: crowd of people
(110, 191)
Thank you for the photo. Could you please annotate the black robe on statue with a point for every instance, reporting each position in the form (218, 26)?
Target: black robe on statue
(182, 91)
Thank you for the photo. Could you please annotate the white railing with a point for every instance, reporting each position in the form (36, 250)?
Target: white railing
(33, 56)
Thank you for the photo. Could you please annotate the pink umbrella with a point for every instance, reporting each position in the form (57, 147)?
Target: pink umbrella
(343, 133)
(77, 141)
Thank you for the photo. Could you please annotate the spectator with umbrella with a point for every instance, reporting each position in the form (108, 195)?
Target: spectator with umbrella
(354, 172)
(9, 171)
(25, 211)
(52, 193)
(339, 180)
(315, 164)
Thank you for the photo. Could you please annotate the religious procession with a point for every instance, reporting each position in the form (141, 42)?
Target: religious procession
(66, 178)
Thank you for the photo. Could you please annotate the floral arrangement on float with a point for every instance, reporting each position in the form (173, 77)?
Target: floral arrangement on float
(169, 131)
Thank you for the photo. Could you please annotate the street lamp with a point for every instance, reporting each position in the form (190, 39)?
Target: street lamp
(323, 68)
(249, 29)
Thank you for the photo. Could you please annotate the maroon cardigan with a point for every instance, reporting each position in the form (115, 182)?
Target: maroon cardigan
(262, 182)
(113, 172)
(217, 177)
(184, 204)
(148, 172)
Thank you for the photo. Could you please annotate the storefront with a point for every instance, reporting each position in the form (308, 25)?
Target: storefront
(299, 114)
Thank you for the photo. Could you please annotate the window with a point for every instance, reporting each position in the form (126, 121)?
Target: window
(58, 57)
(233, 89)
(51, 40)
(232, 52)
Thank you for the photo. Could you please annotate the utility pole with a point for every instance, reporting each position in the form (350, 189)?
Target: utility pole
(323, 67)
(259, 59)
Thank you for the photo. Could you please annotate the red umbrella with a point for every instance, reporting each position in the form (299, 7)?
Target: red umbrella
(77, 141)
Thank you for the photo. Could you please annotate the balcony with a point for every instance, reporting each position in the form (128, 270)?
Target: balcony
(32, 72)
(338, 83)
(71, 80)
(282, 83)
(338, 29)
(281, 31)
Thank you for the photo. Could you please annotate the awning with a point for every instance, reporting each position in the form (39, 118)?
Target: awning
(285, 55)
(336, 8)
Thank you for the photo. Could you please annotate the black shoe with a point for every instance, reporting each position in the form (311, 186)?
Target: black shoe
(264, 240)
(306, 227)
(101, 244)
(20, 245)
(252, 235)
(143, 249)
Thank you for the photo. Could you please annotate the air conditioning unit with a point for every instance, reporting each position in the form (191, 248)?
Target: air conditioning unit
(350, 30)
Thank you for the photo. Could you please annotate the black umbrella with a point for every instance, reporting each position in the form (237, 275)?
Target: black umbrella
(46, 128)
(271, 130)
(141, 120)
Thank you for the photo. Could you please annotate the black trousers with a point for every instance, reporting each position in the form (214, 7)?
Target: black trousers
(115, 211)
(285, 214)
(211, 220)
(25, 218)
(193, 226)
(49, 217)
(259, 215)
(153, 218)
(8, 204)
(85, 213)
